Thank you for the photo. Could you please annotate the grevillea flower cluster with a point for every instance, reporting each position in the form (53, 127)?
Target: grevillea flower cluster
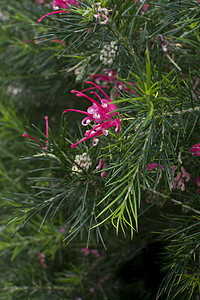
(195, 150)
(60, 4)
(101, 114)
(81, 162)
(111, 78)
(102, 14)
(181, 177)
(108, 53)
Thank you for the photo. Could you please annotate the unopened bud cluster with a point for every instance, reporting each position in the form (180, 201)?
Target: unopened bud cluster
(83, 161)
(108, 53)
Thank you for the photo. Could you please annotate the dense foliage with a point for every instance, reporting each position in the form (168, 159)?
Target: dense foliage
(100, 149)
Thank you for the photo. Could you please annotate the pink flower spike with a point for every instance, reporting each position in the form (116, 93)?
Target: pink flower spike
(26, 135)
(101, 114)
(51, 13)
(153, 166)
(195, 149)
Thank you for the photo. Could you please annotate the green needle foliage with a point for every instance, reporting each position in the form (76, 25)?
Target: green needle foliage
(97, 212)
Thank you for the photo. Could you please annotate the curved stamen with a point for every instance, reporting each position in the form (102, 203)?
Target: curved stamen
(79, 94)
(51, 13)
(93, 88)
(26, 135)
(99, 89)
(84, 139)
(76, 110)
(92, 92)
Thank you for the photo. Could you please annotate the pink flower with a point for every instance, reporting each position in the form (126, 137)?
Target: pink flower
(47, 135)
(59, 3)
(195, 149)
(153, 166)
(111, 78)
(97, 113)
(97, 130)
(179, 182)
(63, 3)
(102, 14)
(101, 18)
